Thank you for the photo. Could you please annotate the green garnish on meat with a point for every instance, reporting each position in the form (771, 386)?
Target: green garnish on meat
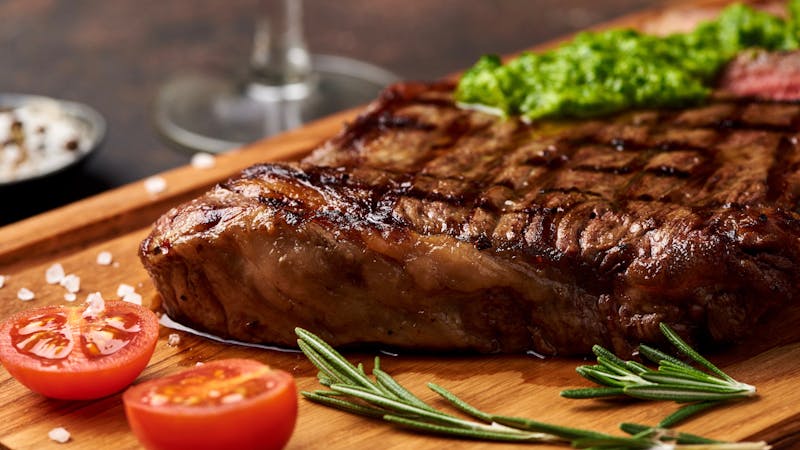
(599, 73)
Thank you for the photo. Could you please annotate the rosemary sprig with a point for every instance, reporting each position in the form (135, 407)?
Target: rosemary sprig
(673, 380)
(351, 390)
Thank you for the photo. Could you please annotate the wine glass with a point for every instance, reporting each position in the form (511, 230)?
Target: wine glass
(284, 87)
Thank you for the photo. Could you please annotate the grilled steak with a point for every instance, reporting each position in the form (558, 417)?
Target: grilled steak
(427, 226)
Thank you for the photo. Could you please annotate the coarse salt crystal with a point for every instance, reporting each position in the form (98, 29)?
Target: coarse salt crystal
(203, 160)
(25, 294)
(124, 289)
(95, 305)
(50, 135)
(72, 283)
(70, 297)
(2, 280)
(104, 258)
(155, 185)
(54, 274)
(198, 363)
(59, 434)
(173, 339)
(132, 297)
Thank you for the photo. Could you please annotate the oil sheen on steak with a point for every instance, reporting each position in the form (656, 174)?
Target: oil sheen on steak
(430, 227)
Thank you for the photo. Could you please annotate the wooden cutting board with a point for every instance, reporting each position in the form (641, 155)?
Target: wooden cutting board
(521, 385)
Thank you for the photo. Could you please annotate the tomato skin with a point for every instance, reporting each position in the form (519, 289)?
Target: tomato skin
(79, 377)
(263, 421)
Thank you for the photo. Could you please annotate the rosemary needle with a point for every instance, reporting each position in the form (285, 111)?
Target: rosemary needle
(673, 379)
(382, 397)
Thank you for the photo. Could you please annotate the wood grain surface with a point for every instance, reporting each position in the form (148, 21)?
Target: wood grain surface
(522, 385)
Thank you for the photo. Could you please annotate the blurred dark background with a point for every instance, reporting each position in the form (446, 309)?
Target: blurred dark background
(113, 55)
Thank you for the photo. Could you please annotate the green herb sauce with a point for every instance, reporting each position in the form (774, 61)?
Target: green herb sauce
(605, 72)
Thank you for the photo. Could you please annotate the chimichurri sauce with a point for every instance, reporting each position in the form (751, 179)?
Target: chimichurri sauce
(604, 72)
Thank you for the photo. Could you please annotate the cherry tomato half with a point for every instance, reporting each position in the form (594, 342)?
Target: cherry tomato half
(55, 351)
(230, 403)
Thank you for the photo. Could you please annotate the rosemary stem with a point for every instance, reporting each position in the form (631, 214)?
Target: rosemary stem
(353, 391)
(402, 407)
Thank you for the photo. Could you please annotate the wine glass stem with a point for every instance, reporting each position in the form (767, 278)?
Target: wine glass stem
(280, 56)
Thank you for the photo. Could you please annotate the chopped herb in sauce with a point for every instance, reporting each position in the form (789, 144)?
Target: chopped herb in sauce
(604, 72)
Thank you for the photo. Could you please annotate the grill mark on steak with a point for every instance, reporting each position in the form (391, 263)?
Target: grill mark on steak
(732, 121)
(782, 164)
(432, 221)
(645, 150)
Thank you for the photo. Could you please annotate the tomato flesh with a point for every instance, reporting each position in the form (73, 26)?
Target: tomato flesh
(55, 351)
(232, 403)
(46, 336)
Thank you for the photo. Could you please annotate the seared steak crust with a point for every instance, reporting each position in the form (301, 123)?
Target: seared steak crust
(427, 226)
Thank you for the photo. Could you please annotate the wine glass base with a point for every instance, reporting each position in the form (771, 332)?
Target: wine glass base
(203, 113)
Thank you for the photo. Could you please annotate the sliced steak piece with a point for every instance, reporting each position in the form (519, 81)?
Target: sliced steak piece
(762, 74)
(425, 226)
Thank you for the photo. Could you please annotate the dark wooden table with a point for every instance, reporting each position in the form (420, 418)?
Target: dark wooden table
(114, 56)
